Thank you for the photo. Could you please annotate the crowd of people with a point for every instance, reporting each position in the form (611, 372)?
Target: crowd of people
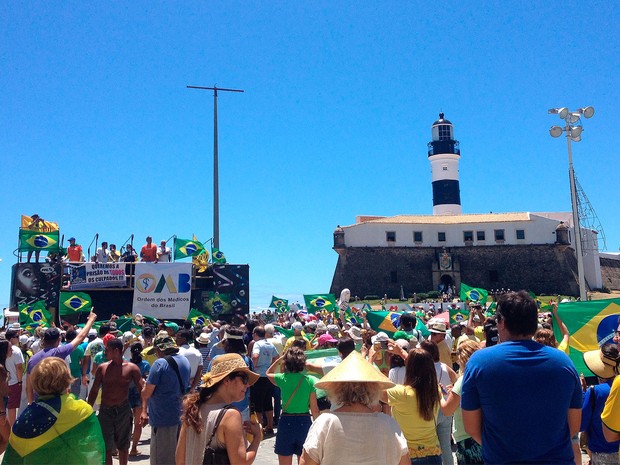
(491, 389)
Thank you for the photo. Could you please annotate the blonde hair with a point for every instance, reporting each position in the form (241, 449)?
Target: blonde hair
(465, 350)
(51, 376)
(347, 393)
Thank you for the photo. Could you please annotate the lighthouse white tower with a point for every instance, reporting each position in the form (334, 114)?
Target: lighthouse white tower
(444, 154)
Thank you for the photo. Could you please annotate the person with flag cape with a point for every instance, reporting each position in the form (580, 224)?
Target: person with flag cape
(57, 428)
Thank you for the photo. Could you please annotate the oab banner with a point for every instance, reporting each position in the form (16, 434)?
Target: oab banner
(162, 290)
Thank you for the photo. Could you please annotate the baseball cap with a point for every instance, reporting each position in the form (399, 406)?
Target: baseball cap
(297, 325)
(326, 338)
(172, 325)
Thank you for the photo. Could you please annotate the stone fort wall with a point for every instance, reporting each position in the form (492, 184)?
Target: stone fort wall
(548, 269)
(610, 271)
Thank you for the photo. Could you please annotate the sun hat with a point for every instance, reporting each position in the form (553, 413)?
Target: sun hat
(354, 369)
(16, 326)
(326, 338)
(437, 326)
(603, 365)
(223, 365)
(165, 343)
(203, 338)
(355, 333)
(379, 337)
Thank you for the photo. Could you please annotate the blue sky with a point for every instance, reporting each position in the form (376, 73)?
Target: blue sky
(99, 133)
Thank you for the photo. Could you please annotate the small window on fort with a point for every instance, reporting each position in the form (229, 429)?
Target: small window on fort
(480, 236)
(520, 233)
(394, 276)
(468, 236)
(499, 234)
(390, 236)
(441, 236)
(417, 236)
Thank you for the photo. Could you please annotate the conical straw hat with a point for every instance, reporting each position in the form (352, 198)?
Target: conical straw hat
(354, 369)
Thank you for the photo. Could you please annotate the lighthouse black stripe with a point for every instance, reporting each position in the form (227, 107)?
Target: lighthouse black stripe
(446, 192)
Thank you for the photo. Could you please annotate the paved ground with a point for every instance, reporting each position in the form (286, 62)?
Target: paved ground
(265, 451)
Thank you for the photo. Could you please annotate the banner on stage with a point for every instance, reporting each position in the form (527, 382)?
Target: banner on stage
(96, 275)
(163, 290)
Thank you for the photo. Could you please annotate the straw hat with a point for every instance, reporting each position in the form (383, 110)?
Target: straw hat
(354, 369)
(203, 338)
(224, 365)
(603, 365)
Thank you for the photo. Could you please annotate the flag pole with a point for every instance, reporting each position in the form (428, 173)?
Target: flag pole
(216, 195)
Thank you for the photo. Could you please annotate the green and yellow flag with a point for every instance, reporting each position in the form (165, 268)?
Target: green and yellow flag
(198, 318)
(591, 324)
(217, 256)
(74, 302)
(37, 240)
(388, 322)
(281, 305)
(34, 315)
(41, 225)
(473, 294)
(60, 429)
(184, 248)
(319, 302)
(457, 315)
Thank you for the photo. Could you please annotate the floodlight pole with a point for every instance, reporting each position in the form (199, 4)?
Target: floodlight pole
(216, 195)
(577, 225)
(573, 130)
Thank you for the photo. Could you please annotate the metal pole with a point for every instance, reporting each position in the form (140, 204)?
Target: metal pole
(576, 225)
(216, 182)
(216, 190)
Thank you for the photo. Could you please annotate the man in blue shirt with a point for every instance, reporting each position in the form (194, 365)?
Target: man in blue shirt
(521, 400)
(161, 399)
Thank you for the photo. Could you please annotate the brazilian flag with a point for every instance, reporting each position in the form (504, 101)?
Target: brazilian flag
(37, 240)
(320, 302)
(198, 318)
(60, 429)
(457, 315)
(34, 315)
(187, 248)
(217, 256)
(473, 294)
(388, 322)
(591, 324)
(281, 305)
(285, 332)
(74, 302)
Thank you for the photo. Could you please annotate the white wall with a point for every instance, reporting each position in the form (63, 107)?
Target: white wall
(538, 230)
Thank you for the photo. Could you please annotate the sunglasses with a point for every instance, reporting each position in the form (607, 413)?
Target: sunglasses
(244, 377)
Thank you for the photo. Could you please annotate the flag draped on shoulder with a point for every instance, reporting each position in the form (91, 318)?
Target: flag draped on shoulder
(34, 315)
(388, 322)
(60, 429)
(317, 302)
(281, 305)
(473, 294)
(38, 240)
(74, 302)
(217, 256)
(197, 317)
(591, 324)
(184, 248)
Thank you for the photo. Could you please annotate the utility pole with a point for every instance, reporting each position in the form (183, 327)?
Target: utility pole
(216, 194)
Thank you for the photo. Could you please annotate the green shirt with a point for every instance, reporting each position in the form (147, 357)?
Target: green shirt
(288, 382)
(76, 362)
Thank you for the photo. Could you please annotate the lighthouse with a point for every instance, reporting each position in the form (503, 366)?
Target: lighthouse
(444, 154)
